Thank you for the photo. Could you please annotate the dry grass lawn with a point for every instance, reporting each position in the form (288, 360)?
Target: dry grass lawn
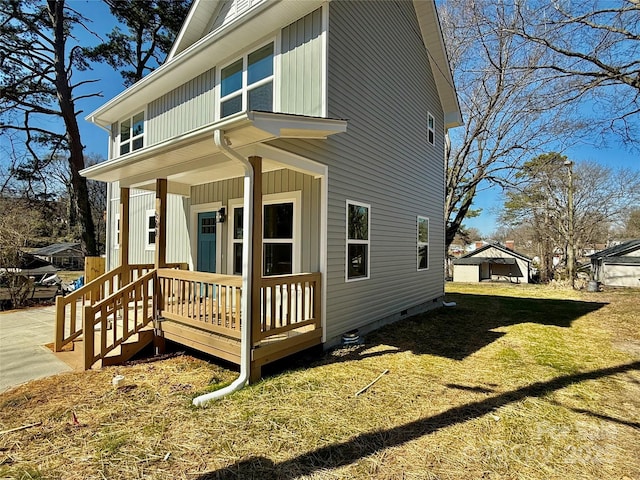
(517, 382)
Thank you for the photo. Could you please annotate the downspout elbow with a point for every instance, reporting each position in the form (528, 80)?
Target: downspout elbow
(245, 305)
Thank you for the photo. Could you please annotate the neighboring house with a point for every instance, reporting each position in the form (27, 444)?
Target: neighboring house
(291, 152)
(492, 262)
(618, 266)
(63, 255)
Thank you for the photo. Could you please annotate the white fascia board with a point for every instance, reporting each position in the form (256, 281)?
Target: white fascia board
(434, 43)
(186, 153)
(203, 55)
(296, 126)
(194, 25)
(293, 161)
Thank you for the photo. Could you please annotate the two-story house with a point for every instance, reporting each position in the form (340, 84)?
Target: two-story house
(291, 153)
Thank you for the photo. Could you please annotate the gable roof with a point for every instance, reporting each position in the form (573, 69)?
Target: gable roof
(498, 247)
(194, 26)
(618, 250)
(196, 50)
(56, 248)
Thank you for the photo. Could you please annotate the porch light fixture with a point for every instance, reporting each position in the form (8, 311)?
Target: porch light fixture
(222, 215)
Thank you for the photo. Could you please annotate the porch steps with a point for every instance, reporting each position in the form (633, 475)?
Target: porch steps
(128, 349)
(74, 356)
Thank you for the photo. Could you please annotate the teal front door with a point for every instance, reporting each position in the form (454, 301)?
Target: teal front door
(207, 242)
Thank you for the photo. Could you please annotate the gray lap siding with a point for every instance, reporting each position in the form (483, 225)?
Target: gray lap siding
(381, 82)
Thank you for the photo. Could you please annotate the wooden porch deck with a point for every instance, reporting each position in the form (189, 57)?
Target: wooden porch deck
(195, 309)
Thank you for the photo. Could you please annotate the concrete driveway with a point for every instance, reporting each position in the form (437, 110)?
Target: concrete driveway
(23, 356)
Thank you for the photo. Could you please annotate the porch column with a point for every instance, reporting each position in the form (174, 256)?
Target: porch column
(256, 261)
(161, 223)
(124, 234)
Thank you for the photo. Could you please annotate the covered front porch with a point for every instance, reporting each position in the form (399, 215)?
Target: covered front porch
(111, 318)
(280, 305)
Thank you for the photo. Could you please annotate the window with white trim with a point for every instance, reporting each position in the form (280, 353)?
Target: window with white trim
(150, 230)
(247, 83)
(237, 218)
(431, 129)
(116, 231)
(358, 231)
(278, 238)
(423, 243)
(131, 136)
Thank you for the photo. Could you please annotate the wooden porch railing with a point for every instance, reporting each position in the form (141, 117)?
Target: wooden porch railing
(289, 302)
(70, 308)
(205, 300)
(212, 302)
(119, 316)
(109, 310)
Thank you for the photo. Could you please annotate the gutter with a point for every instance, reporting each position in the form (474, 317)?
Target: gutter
(245, 304)
(93, 120)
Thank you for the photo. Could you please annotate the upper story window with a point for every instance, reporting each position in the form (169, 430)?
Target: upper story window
(431, 129)
(358, 228)
(247, 84)
(132, 134)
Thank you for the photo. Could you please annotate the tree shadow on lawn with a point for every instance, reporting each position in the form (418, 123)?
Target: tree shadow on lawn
(457, 332)
(450, 332)
(454, 333)
(344, 453)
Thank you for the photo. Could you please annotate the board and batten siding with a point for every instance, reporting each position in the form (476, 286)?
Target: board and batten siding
(185, 108)
(191, 105)
(381, 82)
(178, 249)
(278, 181)
(301, 82)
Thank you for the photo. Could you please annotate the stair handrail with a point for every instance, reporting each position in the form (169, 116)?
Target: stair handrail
(110, 306)
(88, 294)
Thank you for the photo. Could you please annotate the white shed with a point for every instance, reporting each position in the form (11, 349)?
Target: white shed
(618, 266)
(492, 262)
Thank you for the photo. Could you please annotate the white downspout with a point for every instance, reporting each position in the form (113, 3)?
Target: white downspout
(245, 303)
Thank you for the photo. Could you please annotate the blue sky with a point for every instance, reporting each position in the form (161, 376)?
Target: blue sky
(613, 155)
(490, 201)
(110, 84)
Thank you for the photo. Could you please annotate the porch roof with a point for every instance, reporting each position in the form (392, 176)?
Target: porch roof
(193, 158)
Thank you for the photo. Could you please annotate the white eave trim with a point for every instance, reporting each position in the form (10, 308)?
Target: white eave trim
(242, 129)
(434, 43)
(282, 125)
(184, 34)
